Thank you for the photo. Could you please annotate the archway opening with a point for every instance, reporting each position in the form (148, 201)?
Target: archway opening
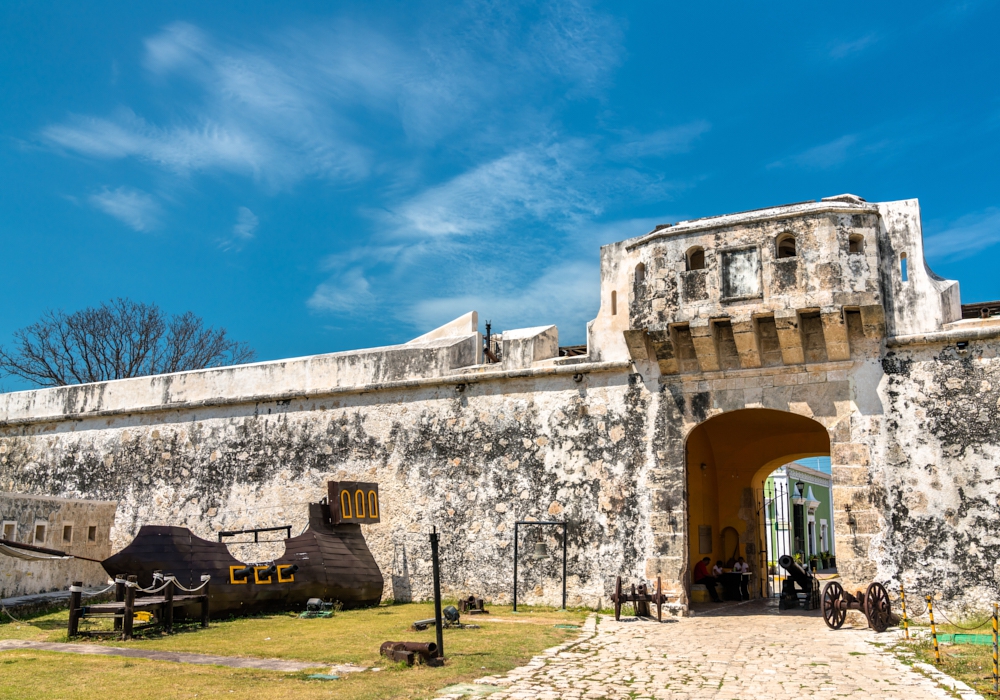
(730, 460)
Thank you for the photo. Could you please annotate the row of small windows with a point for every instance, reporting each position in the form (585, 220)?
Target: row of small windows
(41, 532)
(784, 247)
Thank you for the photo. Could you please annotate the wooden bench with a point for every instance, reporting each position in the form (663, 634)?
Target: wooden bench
(127, 603)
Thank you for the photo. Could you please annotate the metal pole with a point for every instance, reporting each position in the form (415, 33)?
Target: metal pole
(515, 567)
(902, 598)
(564, 566)
(930, 611)
(996, 667)
(437, 594)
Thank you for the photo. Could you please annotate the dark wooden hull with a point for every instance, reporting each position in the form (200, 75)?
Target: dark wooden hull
(334, 563)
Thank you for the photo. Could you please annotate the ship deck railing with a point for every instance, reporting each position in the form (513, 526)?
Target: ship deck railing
(127, 602)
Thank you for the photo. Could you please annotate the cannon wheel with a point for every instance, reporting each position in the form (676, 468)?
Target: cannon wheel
(618, 599)
(659, 600)
(878, 609)
(833, 612)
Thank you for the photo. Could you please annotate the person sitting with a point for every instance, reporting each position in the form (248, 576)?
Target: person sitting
(702, 576)
(717, 570)
(741, 567)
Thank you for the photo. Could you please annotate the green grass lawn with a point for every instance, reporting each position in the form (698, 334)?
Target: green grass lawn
(505, 640)
(969, 663)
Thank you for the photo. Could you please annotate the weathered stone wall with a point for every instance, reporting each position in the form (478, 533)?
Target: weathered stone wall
(21, 577)
(936, 474)
(468, 461)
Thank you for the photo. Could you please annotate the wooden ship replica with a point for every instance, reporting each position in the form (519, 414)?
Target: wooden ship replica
(330, 560)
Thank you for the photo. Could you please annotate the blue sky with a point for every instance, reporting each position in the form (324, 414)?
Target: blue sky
(326, 176)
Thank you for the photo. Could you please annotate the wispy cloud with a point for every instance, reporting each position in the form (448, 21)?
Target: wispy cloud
(133, 207)
(676, 139)
(554, 183)
(826, 155)
(566, 294)
(536, 183)
(877, 143)
(243, 230)
(314, 102)
(965, 236)
(348, 292)
(843, 49)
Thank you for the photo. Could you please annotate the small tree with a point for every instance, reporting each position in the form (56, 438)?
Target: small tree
(115, 340)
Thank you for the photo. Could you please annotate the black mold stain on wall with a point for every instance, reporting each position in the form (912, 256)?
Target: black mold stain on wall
(441, 451)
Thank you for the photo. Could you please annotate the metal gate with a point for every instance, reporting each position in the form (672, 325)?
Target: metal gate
(774, 535)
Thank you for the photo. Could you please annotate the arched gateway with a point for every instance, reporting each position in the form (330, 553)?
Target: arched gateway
(729, 457)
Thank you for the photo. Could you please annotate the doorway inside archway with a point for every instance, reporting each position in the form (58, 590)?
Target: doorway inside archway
(796, 505)
(730, 458)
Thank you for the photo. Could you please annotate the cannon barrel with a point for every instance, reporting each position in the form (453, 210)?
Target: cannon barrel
(426, 649)
(801, 577)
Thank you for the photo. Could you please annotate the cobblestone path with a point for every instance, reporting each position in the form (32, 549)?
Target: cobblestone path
(752, 652)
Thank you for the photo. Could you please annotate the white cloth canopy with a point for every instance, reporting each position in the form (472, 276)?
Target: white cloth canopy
(27, 554)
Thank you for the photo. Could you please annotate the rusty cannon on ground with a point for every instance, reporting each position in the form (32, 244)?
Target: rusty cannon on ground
(407, 652)
(640, 597)
(874, 603)
(800, 587)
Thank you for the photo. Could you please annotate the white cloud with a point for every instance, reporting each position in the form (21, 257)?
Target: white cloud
(255, 117)
(133, 207)
(660, 143)
(535, 183)
(844, 49)
(555, 185)
(243, 230)
(567, 295)
(306, 103)
(246, 224)
(181, 149)
(348, 292)
(827, 155)
(965, 236)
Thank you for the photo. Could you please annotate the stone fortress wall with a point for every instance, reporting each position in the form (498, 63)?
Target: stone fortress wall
(77, 527)
(906, 391)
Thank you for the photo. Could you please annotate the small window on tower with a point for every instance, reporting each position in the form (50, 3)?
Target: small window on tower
(39, 533)
(9, 531)
(856, 244)
(695, 258)
(640, 273)
(92, 533)
(68, 533)
(786, 246)
(614, 303)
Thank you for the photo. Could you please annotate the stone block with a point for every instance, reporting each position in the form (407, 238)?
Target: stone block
(786, 322)
(857, 522)
(858, 497)
(850, 453)
(835, 335)
(851, 476)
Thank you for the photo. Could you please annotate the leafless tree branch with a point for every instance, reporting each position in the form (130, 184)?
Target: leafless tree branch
(116, 340)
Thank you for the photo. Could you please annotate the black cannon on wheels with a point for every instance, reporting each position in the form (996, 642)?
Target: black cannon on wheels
(640, 598)
(874, 603)
(800, 588)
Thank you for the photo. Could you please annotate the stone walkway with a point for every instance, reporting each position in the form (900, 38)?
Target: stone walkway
(174, 656)
(750, 653)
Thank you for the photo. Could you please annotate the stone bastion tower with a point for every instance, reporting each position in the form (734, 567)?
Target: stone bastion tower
(724, 348)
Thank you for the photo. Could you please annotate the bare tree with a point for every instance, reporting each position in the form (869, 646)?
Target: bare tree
(115, 340)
